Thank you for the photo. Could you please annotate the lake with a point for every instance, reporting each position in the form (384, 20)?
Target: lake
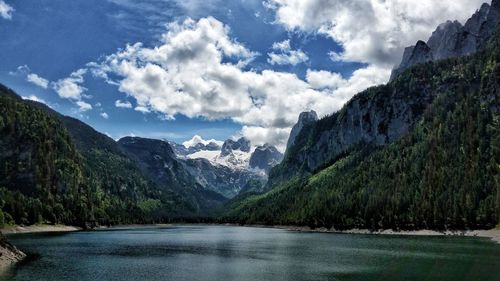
(221, 253)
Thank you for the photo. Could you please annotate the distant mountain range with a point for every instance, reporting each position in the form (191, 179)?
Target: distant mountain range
(226, 168)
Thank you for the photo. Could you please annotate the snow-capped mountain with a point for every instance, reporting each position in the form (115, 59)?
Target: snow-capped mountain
(226, 167)
(234, 154)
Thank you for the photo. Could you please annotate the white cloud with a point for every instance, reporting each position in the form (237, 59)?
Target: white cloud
(144, 109)
(104, 115)
(6, 10)
(123, 104)
(24, 70)
(83, 106)
(37, 99)
(70, 87)
(37, 80)
(198, 71)
(261, 135)
(286, 55)
(20, 71)
(371, 31)
(196, 139)
(324, 79)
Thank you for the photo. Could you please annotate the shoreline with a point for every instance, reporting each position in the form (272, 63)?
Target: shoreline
(492, 234)
(38, 228)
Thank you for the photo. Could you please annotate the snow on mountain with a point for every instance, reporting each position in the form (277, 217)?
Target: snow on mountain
(199, 140)
(232, 154)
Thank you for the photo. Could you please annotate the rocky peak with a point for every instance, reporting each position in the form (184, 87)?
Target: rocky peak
(212, 146)
(444, 39)
(451, 39)
(304, 119)
(229, 146)
(265, 157)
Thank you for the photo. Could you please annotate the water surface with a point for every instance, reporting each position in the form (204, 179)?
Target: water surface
(222, 253)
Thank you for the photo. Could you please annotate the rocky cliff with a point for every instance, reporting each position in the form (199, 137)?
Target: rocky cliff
(305, 118)
(265, 157)
(383, 114)
(452, 39)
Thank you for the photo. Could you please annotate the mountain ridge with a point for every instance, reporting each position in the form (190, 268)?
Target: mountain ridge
(417, 153)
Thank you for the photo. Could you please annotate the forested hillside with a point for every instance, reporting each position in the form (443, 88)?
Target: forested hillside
(444, 173)
(57, 169)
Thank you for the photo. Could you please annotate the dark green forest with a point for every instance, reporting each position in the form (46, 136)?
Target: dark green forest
(445, 174)
(51, 175)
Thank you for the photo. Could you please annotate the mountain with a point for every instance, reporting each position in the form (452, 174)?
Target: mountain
(220, 178)
(227, 168)
(196, 144)
(305, 118)
(419, 152)
(157, 160)
(451, 39)
(57, 169)
(265, 157)
(230, 146)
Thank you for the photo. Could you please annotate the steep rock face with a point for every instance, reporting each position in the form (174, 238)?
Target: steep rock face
(304, 119)
(229, 146)
(451, 39)
(445, 39)
(413, 55)
(377, 116)
(384, 114)
(265, 157)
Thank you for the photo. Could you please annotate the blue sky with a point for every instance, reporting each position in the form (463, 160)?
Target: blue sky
(320, 61)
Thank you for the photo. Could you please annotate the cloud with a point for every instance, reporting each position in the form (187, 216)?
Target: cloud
(261, 135)
(83, 106)
(37, 80)
(196, 139)
(6, 10)
(37, 99)
(123, 104)
(70, 87)
(20, 71)
(104, 115)
(324, 79)
(198, 70)
(24, 70)
(286, 55)
(370, 31)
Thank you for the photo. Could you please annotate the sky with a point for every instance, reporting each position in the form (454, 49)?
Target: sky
(172, 69)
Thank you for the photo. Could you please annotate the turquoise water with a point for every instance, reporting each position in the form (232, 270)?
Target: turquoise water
(221, 253)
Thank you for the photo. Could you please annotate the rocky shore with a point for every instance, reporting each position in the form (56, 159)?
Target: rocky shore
(9, 254)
